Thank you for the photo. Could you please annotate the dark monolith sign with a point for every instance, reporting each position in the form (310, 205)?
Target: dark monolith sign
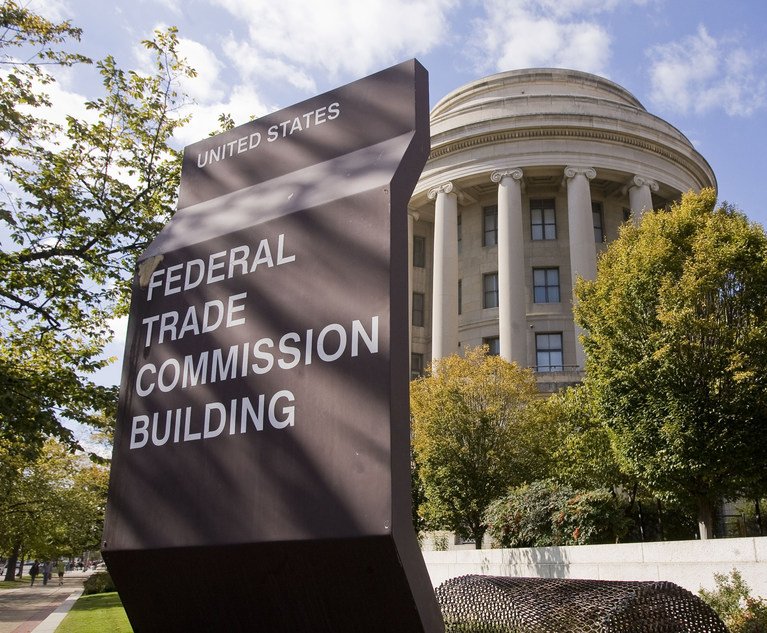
(261, 479)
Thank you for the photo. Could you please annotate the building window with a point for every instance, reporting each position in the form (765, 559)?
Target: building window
(548, 352)
(490, 226)
(460, 296)
(543, 220)
(418, 305)
(493, 345)
(416, 366)
(460, 232)
(598, 216)
(490, 290)
(546, 285)
(419, 251)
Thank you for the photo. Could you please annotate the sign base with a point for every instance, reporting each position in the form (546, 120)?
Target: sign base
(337, 586)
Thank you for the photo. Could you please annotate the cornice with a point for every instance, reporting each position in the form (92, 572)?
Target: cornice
(701, 169)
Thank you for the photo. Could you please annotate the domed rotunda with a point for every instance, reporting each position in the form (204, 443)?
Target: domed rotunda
(531, 174)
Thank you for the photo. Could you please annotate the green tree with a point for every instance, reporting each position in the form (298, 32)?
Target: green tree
(80, 200)
(472, 437)
(582, 455)
(79, 509)
(676, 338)
(52, 505)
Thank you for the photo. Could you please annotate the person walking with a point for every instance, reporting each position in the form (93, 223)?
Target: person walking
(33, 571)
(47, 568)
(60, 567)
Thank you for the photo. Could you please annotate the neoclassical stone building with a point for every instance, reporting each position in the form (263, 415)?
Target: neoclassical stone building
(531, 173)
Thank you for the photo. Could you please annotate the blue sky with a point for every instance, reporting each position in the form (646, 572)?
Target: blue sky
(699, 64)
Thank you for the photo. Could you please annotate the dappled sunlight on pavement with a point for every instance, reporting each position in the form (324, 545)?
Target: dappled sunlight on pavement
(24, 608)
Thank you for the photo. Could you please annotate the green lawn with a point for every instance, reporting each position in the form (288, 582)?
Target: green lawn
(96, 613)
(12, 584)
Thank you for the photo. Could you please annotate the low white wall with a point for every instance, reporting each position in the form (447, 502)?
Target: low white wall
(689, 564)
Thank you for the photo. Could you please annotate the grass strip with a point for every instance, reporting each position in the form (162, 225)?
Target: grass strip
(13, 584)
(96, 613)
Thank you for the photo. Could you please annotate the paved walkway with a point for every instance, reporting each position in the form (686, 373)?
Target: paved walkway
(39, 608)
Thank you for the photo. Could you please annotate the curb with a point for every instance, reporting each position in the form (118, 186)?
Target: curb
(51, 623)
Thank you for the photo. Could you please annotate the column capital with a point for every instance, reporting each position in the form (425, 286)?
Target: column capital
(513, 172)
(640, 181)
(415, 215)
(571, 171)
(446, 187)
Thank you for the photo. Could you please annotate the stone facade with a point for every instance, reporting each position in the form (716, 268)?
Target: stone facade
(531, 173)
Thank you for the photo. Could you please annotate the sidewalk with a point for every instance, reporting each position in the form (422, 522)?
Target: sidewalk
(39, 608)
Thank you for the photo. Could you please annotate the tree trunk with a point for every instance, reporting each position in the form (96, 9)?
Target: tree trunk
(660, 520)
(478, 533)
(10, 570)
(705, 518)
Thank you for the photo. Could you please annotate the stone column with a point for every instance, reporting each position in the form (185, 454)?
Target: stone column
(512, 298)
(640, 196)
(580, 222)
(444, 307)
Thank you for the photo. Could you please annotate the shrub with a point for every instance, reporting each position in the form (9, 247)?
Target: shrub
(546, 513)
(732, 601)
(523, 517)
(590, 517)
(98, 582)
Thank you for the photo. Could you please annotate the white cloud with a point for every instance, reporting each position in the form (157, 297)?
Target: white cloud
(702, 73)
(530, 43)
(337, 37)
(174, 6)
(208, 93)
(253, 65)
(119, 327)
(544, 33)
(64, 103)
(110, 375)
(53, 10)
(206, 86)
(563, 9)
(242, 103)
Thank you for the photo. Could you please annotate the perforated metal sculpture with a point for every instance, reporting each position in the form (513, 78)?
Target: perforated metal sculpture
(498, 604)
